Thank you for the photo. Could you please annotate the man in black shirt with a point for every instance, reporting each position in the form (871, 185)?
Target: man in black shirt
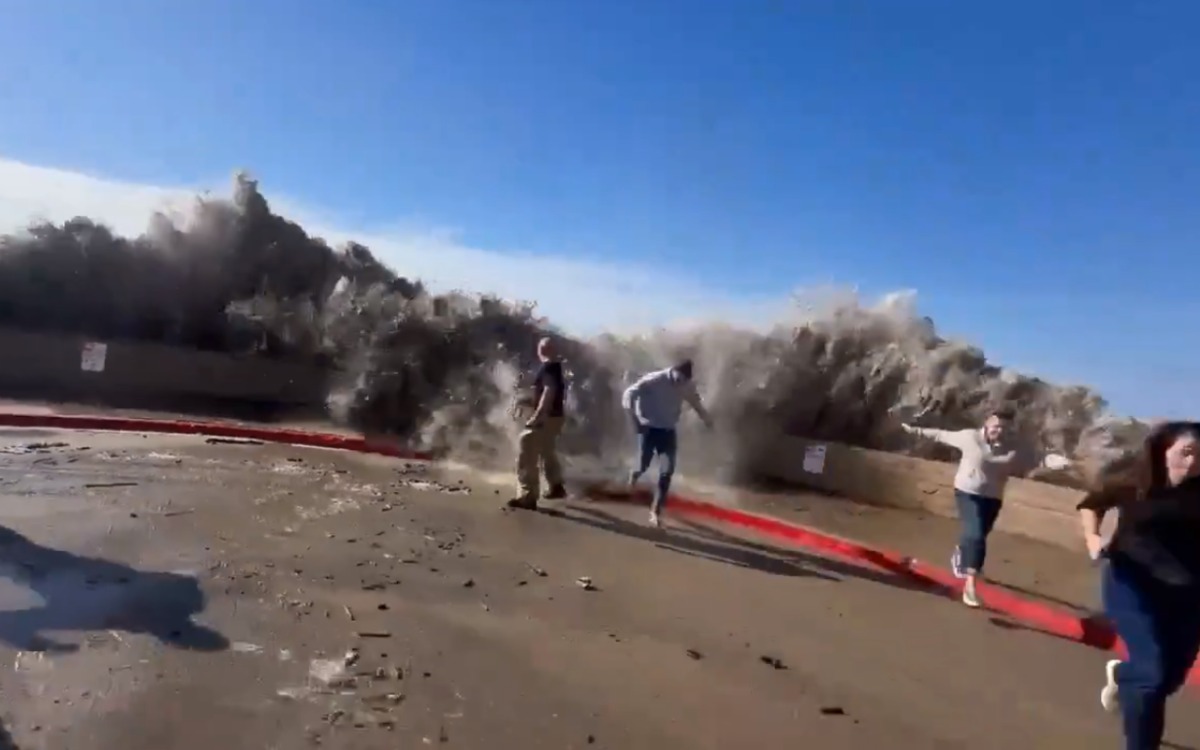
(539, 439)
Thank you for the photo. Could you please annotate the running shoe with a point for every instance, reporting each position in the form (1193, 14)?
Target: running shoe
(956, 564)
(1108, 695)
(655, 520)
(969, 596)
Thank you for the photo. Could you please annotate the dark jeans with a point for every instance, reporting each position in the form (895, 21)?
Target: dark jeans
(1160, 626)
(656, 441)
(976, 517)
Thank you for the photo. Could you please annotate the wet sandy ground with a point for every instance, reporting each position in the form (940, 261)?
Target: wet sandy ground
(165, 592)
(1031, 568)
(1026, 566)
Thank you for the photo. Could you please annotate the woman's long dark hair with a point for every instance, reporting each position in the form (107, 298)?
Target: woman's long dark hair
(1154, 453)
(1145, 471)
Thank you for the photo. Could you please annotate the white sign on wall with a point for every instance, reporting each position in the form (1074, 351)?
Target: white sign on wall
(814, 459)
(93, 356)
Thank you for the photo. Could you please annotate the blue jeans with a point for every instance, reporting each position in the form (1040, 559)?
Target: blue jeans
(657, 441)
(1160, 626)
(976, 516)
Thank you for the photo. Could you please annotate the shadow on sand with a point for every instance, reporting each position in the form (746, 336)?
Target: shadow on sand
(708, 543)
(87, 594)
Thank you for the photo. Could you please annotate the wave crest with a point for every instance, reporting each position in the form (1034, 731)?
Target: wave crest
(444, 369)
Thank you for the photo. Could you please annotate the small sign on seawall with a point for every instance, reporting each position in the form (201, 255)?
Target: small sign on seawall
(93, 356)
(814, 459)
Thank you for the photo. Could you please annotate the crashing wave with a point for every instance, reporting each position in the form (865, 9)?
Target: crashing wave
(443, 369)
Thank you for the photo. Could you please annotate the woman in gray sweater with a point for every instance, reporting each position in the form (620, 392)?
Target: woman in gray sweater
(989, 456)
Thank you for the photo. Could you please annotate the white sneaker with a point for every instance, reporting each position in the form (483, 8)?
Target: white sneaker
(1108, 695)
(655, 521)
(969, 597)
(956, 564)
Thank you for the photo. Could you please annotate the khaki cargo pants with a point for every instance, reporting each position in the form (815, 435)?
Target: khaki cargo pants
(538, 445)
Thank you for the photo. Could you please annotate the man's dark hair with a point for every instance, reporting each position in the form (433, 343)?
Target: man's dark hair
(1004, 413)
(684, 368)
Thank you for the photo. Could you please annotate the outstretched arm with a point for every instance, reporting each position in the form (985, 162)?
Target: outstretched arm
(952, 438)
(1030, 462)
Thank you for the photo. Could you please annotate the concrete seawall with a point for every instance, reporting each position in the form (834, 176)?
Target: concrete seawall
(53, 365)
(1034, 509)
(50, 365)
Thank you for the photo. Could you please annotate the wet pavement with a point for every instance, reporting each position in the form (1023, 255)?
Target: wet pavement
(1034, 569)
(1026, 566)
(166, 592)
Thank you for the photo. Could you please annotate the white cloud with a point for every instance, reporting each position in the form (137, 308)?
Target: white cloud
(584, 296)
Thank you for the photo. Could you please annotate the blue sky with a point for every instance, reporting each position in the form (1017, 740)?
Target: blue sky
(1031, 169)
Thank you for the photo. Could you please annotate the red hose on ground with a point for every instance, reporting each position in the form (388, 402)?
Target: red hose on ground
(1028, 613)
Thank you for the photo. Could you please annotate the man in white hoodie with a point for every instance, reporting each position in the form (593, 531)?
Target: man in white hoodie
(655, 403)
(990, 455)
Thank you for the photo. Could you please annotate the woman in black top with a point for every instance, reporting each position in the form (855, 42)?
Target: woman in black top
(1151, 580)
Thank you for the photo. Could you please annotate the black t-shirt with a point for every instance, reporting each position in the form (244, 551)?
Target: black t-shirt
(1158, 533)
(551, 373)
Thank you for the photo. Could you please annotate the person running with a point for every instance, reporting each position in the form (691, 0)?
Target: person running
(655, 403)
(1150, 584)
(538, 442)
(989, 456)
